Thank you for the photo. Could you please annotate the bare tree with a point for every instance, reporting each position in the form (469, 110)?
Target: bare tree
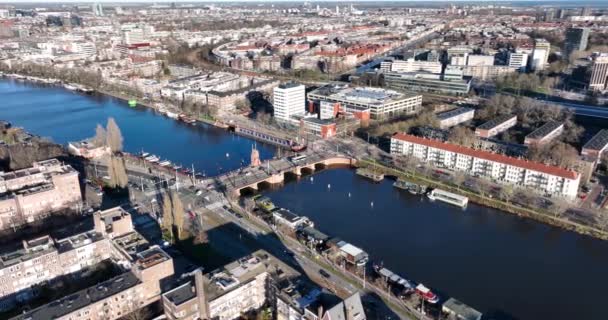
(178, 212)
(117, 172)
(100, 137)
(167, 208)
(114, 136)
(462, 136)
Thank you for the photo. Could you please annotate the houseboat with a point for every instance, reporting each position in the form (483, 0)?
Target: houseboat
(427, 294)
(448, 197)
(364, 172)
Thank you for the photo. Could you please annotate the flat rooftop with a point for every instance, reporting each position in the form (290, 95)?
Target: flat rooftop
(81, 299)
(454, 113)
(361, 95)
(181, 294)
(496, 122)
(598, 142)
(242, 271)
(545, 129)
(151, 257)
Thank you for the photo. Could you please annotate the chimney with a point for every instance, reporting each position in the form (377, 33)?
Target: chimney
(199, 284)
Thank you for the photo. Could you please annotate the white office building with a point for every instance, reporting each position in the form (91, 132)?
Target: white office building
(546, 179)
(289, 100)
(537, 62)
(518, 60)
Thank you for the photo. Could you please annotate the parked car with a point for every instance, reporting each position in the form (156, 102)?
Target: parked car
(324, 274)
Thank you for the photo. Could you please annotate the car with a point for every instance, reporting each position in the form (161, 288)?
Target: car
(324, 274)
(199, 192)
(238, 215)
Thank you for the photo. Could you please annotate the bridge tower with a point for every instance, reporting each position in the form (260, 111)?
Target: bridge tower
(255, 156)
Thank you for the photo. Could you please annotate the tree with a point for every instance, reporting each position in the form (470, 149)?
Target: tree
(114, 136)
(99, 140)
(177, 210)
(462, 136)
(117, 172)
(167, 209)
(506, 192)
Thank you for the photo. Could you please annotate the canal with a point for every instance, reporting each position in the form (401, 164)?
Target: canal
(490, 260)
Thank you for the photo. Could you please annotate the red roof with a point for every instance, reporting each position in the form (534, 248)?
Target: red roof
(530, 165)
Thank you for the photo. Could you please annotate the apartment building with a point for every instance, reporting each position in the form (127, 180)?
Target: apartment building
(228, 292)
(545, 133)
(599, 73)
(595, 147)
(45, 259)
(114, 298)
(454, 117)
(381, 103)
(31, 194)
(289, 100)
(576, 40)
(543, 178)
(496, 126)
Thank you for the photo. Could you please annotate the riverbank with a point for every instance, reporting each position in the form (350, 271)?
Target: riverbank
(535, 214)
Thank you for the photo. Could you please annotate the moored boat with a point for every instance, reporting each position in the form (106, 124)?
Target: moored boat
(152, 158)
(448, 197)
(427, 294)
(164, 163)
(171, 115)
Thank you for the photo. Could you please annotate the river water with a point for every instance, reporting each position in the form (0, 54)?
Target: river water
(65, 116)
(488, 259)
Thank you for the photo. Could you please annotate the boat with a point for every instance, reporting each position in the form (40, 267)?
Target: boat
(448, 197)
(406, 286)
(165, 163)
(70, 86)
(296, 147)
(171, 115)
(177, 167)
(143, 154)
(364, 172)
(152, 158)
(408, 186)
(132, 103)
(427, 294)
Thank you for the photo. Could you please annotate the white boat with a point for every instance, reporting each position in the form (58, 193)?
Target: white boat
(427, 294)
(143, 154)
(448, 197)
(177, 167)
(171, 115)
(152, 158)
(165, 163)
(70, 86)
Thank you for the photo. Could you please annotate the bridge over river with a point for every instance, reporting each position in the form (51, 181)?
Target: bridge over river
(274, 171)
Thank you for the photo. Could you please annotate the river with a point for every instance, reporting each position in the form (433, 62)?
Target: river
(65, 116)
(488, 259)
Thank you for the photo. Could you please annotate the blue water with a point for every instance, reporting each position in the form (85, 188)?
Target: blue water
(486, 258)
(65, 116)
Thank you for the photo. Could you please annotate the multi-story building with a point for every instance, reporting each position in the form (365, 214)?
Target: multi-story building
(45, 259)
(541, 46)
(428, 82)
(381, 103)
(289, 100)
(116, 297)
(599, 73)
(543, 178)
(518, 60)
(480, 60)
(456, 116)
(576, 40)
(226, 293)
(410, 65)
(545, 133)
(31, 194)
(496, 126)
(595, 147)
